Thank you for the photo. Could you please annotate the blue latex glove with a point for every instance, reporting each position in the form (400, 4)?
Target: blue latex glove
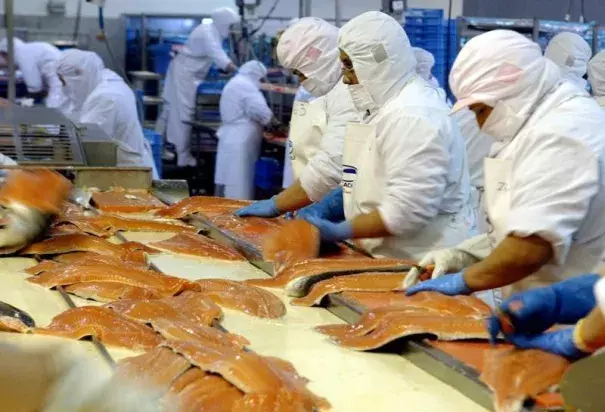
(451, 285)
(331, 208)
(263, 208)
(332, 232)
(560, 342)
(536, 310)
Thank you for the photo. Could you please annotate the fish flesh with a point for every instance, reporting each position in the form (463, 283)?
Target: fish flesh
(191, 306)
(374, 282)
(99, 272)
(135, 258)
(201, 204)
(109, 292)
(72, 211)
(11, 324)
(282, 400)
(51, 190)
(155, 370)
(185, 380)
(297, 240)
(119, 200)
(198, 246)
(106, 325)
(515, 375)
(43, 266)
(298, 278)
(253, 230)
(247, 371)
(183, 329)
(242, 297)
(209, 393)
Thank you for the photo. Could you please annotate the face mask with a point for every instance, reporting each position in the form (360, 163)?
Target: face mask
(503, 124)
(362, 100)
(316, 87)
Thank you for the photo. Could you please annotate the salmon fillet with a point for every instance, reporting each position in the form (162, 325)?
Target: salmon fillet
(11, 324)
(51, 190)
(126, 201)
(98, 272)
(135, 258)
(297, 240)
(155, 370)
(210, 393)
(185, 330)
(198, 246)
(191, 306)
(515, 375)
(185, 380)
(244, 298)
(375, 282)
(281, 400)
(253, 230)
(109, 292)
(109, 327)
(200, 204)
(43, 266)
(70, 210)
(298, 278)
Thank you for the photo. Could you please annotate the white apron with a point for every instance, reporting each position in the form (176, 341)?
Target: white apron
(306, 131)
(362, 181)
(498, 181)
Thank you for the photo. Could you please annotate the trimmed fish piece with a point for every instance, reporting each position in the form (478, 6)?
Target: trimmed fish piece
(43, 266)
(515, 375)
(297, 240)
(11, 324)
(119, 200)
(200, 204)
(51, 190)
(185, 380)
(198, 246)
(109, 327)
(208, 394)
(185, 330)
(374, 282)
(191, 306)
(253, 230)
(298, 278)
(110, 292)
(135, 258)
(281, 400)
(242, 297)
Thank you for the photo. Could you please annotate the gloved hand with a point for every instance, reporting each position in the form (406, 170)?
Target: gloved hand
(332, 232)
(562, 342)
(331, 208)
(536, 310)
(451, 285)
(445, 261)
(262, 208)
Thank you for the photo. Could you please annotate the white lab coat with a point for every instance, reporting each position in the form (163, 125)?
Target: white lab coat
(596, 77)
(419, 180)
(244, 113)
(549, 136)
(571, 53)
(187, 70)
(310, 46)
(102, 97)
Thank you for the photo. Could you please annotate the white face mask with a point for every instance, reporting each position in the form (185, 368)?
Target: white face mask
(316, 87)
(362, 99)
(503, 123)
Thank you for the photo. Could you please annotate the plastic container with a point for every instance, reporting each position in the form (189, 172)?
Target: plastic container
(268, 173)
(160, 57)
(157, 142)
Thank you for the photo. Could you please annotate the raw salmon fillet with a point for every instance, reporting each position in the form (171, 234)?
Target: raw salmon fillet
(253, 230)
(375, 282)
(282, 400)
(210, 393)
(134, 258)
(185, 330)
(298, 278)
(126, 201)
(43, 266)
(10, 324)
(51, 190)
(155, 370)
(106, 325)
(191, 306)
(200, 204)
(125, 275)
(109, 292)
(297, 240)
(244, 298)
(515, 375)
(197, 246)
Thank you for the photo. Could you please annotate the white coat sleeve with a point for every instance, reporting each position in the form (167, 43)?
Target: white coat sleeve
(416, 161)
(102, 112)
(32, 76)
(255, 106)
(323, 173)
(214, 49)
(552, 202)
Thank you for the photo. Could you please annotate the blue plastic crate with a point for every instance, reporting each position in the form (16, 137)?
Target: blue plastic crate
(425, 22)
(157, 160)
(160, 56)
(268, 173)
(424, 13)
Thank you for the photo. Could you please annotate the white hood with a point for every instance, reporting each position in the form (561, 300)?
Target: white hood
(310, 46)
(83, 72)
(596, 74)
(4, 44)
(381, 54)
(571, 53)
(223, 18)
(253, 70)
(504, 70)
(424, 63)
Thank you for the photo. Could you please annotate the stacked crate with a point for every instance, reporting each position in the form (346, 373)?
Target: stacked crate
(425, 29)
(156, 142)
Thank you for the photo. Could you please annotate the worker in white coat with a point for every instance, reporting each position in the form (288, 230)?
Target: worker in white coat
(425, 61)
(544, 180)
(571, 53)
(596, 77)
(185, 73)
(244, 115)
(38, 64)
(405, 177)
(102, 97)
(317, 129)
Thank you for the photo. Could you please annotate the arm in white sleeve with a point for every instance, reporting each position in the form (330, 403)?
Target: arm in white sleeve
(255, 106)
(32, 76)
(416, 162)
(214, 50)
(552, 202)
(100, 111)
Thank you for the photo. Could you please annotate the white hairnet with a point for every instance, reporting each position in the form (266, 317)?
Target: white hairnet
(571, 53)
(596, 73)
(381, 53)
(253, 69)
(424, 63)
(82, 71)
(310, 46)
(502, 65)
(223, 18)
